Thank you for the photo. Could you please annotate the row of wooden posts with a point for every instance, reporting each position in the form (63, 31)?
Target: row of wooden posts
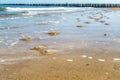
(72, 5)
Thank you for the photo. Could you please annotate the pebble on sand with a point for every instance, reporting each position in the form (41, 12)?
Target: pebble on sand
(48, 52)
(97, 19)
(87, 22)
(102, 21)
(80, 26)
(90, 17)
(53, 33)
(39, 48)
(106, 24)
(26, 39)
(105, 34)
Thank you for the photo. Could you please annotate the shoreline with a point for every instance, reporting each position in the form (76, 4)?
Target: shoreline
(60, 44)
(117, 9)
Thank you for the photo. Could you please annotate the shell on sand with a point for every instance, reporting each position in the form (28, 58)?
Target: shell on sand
(1, 41)
(26, 39)
(38, 48)
(48, 52)
(53, 33)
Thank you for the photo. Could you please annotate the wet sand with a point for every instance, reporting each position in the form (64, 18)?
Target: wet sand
(115, 8)
(83, 46)
(61, 67)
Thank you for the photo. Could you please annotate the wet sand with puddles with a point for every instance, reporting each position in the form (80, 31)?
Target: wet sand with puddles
(84, 45)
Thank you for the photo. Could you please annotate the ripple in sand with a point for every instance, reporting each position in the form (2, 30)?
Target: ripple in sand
(53, 33)
(26, 39)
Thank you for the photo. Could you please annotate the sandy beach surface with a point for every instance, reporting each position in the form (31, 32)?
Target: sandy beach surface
(116, 8)
(78, 44)
(61, 67)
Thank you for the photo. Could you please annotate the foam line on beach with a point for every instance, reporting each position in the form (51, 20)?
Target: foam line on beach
(2, 61)
(38, 9)
(116, 59)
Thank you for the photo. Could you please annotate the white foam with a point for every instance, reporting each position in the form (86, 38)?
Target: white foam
(2, 61)
(34, 9)
(90, 57)
(9, 60)
(116, 59)
(83, 56)
(14, 43)
(69, 60)
(102, 60)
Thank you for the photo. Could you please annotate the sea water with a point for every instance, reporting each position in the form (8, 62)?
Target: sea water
(17, 22)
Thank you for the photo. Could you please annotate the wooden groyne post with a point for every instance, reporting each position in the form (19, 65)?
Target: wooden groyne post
(72, 5)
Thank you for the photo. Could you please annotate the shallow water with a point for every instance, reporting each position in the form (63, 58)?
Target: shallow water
(95, 38)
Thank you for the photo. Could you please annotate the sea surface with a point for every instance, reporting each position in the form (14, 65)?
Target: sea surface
(100, 32)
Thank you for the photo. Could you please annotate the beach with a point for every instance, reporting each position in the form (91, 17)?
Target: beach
(59, 43)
